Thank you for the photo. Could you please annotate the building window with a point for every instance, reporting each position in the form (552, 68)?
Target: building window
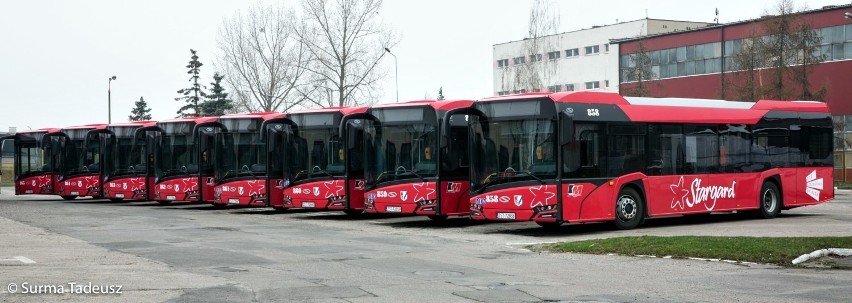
(535, 58)
(594, 49)
(593, 85)
(606, 48)
(554, 88)
(519, 60)
(553, 55)
(572, 52)
(502, 63)
(519, 91)
(569, 87)
(606, 83)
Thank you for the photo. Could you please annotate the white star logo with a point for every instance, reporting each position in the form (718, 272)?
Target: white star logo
(338, 188)
(541, 191)
(418, 192)
(679, 194)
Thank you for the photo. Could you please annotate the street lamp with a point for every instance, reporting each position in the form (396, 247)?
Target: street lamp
(109, 99)
(395, 72)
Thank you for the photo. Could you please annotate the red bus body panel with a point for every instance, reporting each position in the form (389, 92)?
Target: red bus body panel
(177, 189)
(36, 185)
(81, 186)
(241, 192)
(127, 188)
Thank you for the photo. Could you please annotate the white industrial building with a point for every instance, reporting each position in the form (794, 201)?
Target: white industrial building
(571, 61)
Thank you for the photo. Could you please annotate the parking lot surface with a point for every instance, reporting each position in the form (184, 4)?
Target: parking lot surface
(198, 253)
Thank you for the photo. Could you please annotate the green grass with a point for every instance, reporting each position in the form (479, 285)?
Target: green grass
(8, 176)
(780, 251)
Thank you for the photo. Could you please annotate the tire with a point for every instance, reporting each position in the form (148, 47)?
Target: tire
(437, 218)
(116, 199)
(69, 197)
(549, 225)
(353, 212)
(280, 209)
(164, 202)
(770, 201)
(629, 209)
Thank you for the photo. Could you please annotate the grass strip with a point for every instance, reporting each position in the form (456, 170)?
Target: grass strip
(771, 250)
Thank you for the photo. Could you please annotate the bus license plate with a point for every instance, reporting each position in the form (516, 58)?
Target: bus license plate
(233, 201)
(75, 193)
(119, 195)
(170, 198)
(506, 216)
(394, 209)
(29, 191)
(308, 205)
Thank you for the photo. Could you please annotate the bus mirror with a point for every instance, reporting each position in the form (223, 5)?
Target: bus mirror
(566, 129)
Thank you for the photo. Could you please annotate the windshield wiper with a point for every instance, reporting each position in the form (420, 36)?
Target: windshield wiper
(384, 174)
(320, 170)
(413, 172)
(528, 173)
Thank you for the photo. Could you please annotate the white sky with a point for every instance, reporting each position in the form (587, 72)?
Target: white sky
(56, 56)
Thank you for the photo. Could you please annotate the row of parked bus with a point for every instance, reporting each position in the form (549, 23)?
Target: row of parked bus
(552, 158)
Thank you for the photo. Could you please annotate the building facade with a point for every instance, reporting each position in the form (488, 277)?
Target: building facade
(704, 63)
(571, 61)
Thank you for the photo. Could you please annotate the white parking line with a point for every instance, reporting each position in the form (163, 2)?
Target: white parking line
(22, 259)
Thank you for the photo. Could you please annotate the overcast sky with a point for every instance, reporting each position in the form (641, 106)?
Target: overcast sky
(56, 56)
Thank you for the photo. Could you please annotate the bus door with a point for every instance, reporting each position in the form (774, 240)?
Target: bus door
(454, 159)
(206, 176)
(274, 136)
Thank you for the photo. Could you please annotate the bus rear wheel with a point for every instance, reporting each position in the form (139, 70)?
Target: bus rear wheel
(770, 200)
(69, 197)
(353, 212)
(629, 209)
(437, 218)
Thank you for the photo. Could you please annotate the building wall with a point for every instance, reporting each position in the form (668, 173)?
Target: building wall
(577, 70)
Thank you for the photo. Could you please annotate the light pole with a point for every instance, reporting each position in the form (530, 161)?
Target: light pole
(109, 99)
(395, 72)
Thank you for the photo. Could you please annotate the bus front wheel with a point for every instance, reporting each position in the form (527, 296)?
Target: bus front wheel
(69, 197)
(770, 200)
(629, 209)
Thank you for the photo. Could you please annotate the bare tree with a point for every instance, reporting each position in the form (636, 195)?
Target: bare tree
(262, 58)
(744, 82)
(788, 49)
(346, 43)
(537, 62)
(640, 69)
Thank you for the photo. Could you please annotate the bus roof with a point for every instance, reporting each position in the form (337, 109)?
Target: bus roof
(345, 110)
(677, 110)
(134, 124)
(249, 115)
(437, 105)
(197, 120)
(87, 126)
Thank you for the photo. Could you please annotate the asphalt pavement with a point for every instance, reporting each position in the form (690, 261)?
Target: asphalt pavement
(198, 253)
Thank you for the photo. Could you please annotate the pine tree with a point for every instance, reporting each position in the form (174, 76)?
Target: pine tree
(440, 93)
(193, 94)
(217, 102)
(141, 112)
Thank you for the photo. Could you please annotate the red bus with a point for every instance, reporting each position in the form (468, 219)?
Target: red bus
(128, 172)
(83, 156)
(595, 156)
(416, 158)
(38, 155)
(321, 170)
(241, 154)
(183, 169)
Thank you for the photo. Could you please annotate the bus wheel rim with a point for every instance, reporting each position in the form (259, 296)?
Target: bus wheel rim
(769, 201)
(626, 207)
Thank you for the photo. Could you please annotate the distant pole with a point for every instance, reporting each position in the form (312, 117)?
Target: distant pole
(395, 72)
(109, 99)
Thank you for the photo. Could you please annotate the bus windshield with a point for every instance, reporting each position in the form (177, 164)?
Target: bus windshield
(176, 152)
(401, 151)
(30, 156)
(128, 156)
(314, 153)
(82, 152)
(240, 154)
(512, 150)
